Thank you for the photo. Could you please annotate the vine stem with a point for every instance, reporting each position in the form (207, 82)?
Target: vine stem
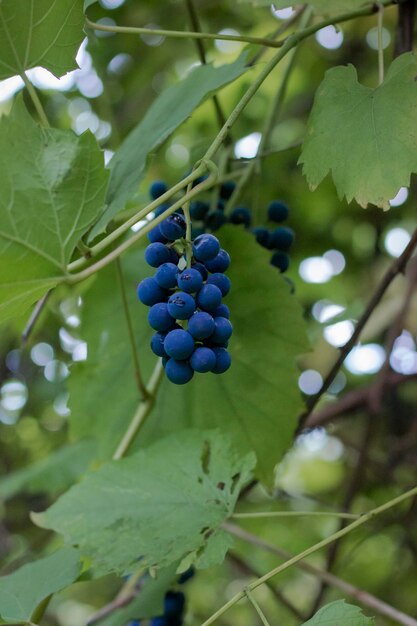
(380, 25)
(263, 514)
(318, 546)
(397, 267)
(144, 409)
(35, 99)
(256, 606)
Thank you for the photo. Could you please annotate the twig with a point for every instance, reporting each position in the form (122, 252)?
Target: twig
(279, 31)
(266, 514)
(35, 99)
(128, 592)
(380, 27)
(39, 306)
(256, 606)
(318, 546)
(397, 267)
(365, 598)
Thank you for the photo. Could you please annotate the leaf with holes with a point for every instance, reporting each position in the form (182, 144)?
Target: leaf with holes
(339, 613)
(52, 189)
(24, 589)
(155, 507)
(365, 137)
(40, 32)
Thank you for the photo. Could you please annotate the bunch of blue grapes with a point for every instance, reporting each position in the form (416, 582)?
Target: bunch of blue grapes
(174, 606)
(279, 239)
(186, 309)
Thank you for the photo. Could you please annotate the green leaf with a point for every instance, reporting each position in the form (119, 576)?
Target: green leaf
(88, 3)
(22, 591)
(40, 33)
(339, 613)
(365, 137)
(165, 502)
(53, 185)
(172, 107)
(50, 475)
(149, 601)
(257, 401)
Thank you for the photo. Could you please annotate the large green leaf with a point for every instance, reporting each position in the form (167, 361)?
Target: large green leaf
(365, 137)
(56, 472)
(155, 507)
(39, 32)
(171, 108)
(257, 401)
(339, 613)
(52, 188)
(22, 591)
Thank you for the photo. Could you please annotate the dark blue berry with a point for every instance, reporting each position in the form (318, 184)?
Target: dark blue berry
(160, 319)
(199, 209)
(220, 263)
(173, 227)
(203, 360)
(179, 344)
(202, 269)
(174, 603)
(181, 305)
(157, 253)
(157, 189)
(149, 292)
(261, 235)
(201, 325)
(222, 311)
(209, 298)
(227, 189)
(221, 281)
(159, 621)
(196, 231)
(155, 235)
(281, 261)
(241, 215)
(190, 280)
(215, 219)
(277, 211)
(199, 180)
(161, 209)
(223, 360)
(206, 247)
(282, 238)
(178, 372)
(157, 344)
(166, 275)
(185, 576)
(222, 332)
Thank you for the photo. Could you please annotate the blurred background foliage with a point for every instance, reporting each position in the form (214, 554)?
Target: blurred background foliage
(340, 254)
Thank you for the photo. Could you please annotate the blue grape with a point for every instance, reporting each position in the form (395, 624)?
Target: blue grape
(215, 219)
(277, 211)
(161, 209)
(181, 305)
(178, 372)
(203, 360)
(241, 215)
(190, 280)
(157, 344)
(223, 360)
(166, 275)
(199, 209)
(185, 576)
(155, 235)
(173, 227)
(221, 281)
(157, 189)
(201, 325)
(222, 332)
(179, 344)
(282, 238)
(206, 247)
(174, 603)
(157, 253)
(196, 231)
(261, 235)
(159, 318)
(222, 311)
(158, 621)
(220, 263)
(227, 189)
(202, 269)
(209, 298)
(281, 261)
(199, 180)
(149, 292)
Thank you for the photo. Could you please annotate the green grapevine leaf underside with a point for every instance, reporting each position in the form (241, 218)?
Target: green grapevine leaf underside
(365, 137)
(339, 612)
(257, 401)
(53, 185)
(24, 589)
(170, 109)
(39, 32)
(155, 507)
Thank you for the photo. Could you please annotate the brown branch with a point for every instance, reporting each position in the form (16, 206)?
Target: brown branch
(361, 596)
(397, 267)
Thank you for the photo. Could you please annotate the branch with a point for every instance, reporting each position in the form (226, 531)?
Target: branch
(397, 267)
(363, 597)
(39, 306)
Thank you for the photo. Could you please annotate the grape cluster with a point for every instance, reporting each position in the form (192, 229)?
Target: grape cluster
(174, 605)
(186, 310)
